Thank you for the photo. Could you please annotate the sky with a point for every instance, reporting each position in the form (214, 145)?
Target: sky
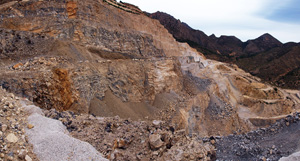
(245, 19)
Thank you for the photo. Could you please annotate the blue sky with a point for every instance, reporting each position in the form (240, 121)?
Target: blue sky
(245, 19)
(290, 13)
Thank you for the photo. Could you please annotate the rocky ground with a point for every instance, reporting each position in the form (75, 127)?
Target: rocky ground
(27, 135)
(94, 58)
(272, 143)
(14, 143)
(107, 65)
(124, 139)
(120, 139)
(116, 138)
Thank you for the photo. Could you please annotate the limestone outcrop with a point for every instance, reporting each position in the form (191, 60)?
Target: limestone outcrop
(91, 57)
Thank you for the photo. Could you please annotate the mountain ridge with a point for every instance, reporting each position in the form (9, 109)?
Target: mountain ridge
(232, 50)
(120, 81)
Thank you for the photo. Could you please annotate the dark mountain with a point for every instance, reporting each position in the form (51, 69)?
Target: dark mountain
(265, 56)
(261, 44)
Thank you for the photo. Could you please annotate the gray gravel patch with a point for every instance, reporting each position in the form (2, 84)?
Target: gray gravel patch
(51, 141)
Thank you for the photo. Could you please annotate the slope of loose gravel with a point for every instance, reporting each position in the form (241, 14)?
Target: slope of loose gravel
(279, 140)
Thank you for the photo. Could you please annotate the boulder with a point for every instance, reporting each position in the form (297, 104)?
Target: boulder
(155, 141)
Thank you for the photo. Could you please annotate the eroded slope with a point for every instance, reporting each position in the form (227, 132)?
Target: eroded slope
(91, 57)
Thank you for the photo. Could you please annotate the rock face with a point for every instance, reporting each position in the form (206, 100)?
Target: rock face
(265, 57)
(93, 57)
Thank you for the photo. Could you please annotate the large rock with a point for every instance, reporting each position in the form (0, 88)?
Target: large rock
(155, 141)
(12, 138)
(3, 127)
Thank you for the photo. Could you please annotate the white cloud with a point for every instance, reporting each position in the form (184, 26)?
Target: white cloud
(242, 18)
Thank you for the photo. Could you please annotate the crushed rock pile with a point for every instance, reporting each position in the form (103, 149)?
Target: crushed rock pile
(14, 143)
(124, 139)
(30, 133)
(26, 134)
(272, 143)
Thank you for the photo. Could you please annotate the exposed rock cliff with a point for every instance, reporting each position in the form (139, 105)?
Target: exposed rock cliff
(265, 57)
(91, 57)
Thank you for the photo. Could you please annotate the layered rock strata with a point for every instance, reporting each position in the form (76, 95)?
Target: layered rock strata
(91, 57)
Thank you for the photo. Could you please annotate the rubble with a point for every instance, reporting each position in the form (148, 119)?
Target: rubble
(13, 143)
(272, 143)
(127, 90)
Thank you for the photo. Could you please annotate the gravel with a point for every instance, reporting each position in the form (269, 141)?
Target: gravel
(51, 141)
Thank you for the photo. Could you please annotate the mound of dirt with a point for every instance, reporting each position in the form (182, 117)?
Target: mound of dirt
(112, 106)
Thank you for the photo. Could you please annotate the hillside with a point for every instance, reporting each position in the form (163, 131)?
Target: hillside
(118, 81)
(264, 57)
